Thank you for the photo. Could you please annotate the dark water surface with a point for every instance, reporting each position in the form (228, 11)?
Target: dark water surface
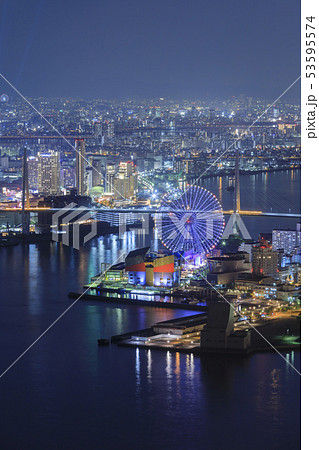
(68, 393)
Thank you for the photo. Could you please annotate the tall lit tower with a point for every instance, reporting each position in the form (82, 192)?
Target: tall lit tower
(80, 166)
(25, 194)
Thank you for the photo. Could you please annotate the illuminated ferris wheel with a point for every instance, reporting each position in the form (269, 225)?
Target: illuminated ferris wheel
(4, 98)
(190, 220)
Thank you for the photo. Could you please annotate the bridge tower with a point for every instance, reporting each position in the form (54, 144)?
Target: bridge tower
(235, 224)
(237, 187)
(25, 194)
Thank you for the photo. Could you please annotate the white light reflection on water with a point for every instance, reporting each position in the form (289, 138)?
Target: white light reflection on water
(178, 374)
(275, 394)
(149, 366)
(169, 380)
(137, 368)
(168, 368)
(34, 304)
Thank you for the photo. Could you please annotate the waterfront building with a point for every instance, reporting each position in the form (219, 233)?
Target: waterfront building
(225, 269)
(115, 272)
(218, 333)
(150, 270)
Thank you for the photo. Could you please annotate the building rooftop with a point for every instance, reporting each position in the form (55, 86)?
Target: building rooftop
(138, 252)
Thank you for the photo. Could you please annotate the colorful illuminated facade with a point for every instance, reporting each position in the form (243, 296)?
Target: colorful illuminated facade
(148, 270)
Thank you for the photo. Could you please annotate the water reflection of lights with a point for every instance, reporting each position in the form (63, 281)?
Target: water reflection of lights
(149, 366)
(275, 394)
(120, 312)
(290, 359)
(33, 276)
(190, 365)
(168, 365)
(177, 367)
(169, 376)
(138, 367)
(220, 189)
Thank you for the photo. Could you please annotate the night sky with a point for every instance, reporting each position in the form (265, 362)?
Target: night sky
(150, 48)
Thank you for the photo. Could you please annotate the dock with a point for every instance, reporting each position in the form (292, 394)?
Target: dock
(184, 335)
(135, 302)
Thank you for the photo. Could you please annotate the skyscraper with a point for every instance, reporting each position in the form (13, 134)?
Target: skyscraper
(122, 188)
(49, 172)
(125, 183)
(33, 172)
(97, 177)
(110, 173)
(264, 260)
(110, 130)
(80, 166)
(67, 176)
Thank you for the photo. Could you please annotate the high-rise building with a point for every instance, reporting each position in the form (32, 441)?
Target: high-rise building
(110, 173)
(110, 130)
(33, 172)
(98, 132)
(126, 169)
(49, 172)
(121, 188)
(288, 240)
(80, 166)
(67, 177)
(125, 183)
(88, 177)
(97, 177)
(264, 260)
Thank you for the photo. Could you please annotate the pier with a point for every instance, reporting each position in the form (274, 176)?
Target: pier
(136, 302)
